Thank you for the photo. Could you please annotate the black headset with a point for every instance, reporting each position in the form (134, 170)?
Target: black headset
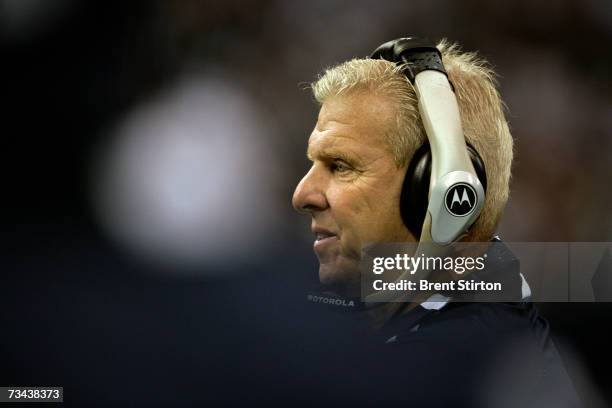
(416, 55)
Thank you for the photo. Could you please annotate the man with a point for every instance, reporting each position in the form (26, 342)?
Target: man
(367, 132)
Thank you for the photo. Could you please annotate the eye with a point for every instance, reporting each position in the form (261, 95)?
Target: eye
(338, 166)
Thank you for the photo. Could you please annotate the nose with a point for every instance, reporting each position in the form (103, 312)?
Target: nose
(309, 195)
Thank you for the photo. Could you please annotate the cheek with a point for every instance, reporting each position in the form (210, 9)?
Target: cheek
(348, 207)
(391, 219)
(381, 215)
(348, 210)
(363, 213)
(368, 210)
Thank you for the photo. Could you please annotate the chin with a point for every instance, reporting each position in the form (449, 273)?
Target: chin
(328, 275)
(342, 280)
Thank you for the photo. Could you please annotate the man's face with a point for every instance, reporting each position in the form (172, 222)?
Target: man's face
(352, 191)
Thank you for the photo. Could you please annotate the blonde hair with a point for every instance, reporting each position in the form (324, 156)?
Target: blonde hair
(482, 117)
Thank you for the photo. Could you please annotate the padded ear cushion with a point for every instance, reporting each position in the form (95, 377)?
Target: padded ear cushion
(415, 190)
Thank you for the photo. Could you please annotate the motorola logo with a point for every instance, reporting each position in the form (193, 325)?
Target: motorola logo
(331, 301)
(460, 199)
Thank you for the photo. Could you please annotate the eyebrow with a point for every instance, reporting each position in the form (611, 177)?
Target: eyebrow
(333, 153)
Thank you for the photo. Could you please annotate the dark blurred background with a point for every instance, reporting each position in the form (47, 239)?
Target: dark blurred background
(151, 150)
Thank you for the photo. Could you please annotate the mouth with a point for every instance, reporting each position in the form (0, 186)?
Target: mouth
(323, 239)
(322, 236)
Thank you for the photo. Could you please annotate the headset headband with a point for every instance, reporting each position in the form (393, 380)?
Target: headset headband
(418, 54)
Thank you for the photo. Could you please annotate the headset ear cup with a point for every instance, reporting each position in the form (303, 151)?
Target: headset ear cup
(479, 166)
(414, 197)
(415, 191)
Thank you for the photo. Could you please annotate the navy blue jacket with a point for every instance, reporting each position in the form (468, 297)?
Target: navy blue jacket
(471, 354)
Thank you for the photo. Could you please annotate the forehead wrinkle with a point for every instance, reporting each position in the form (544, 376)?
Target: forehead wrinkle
(324, 124)
(351, 122)
(368, 123)
(356, 105)
(333, 146)
(349, 148)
